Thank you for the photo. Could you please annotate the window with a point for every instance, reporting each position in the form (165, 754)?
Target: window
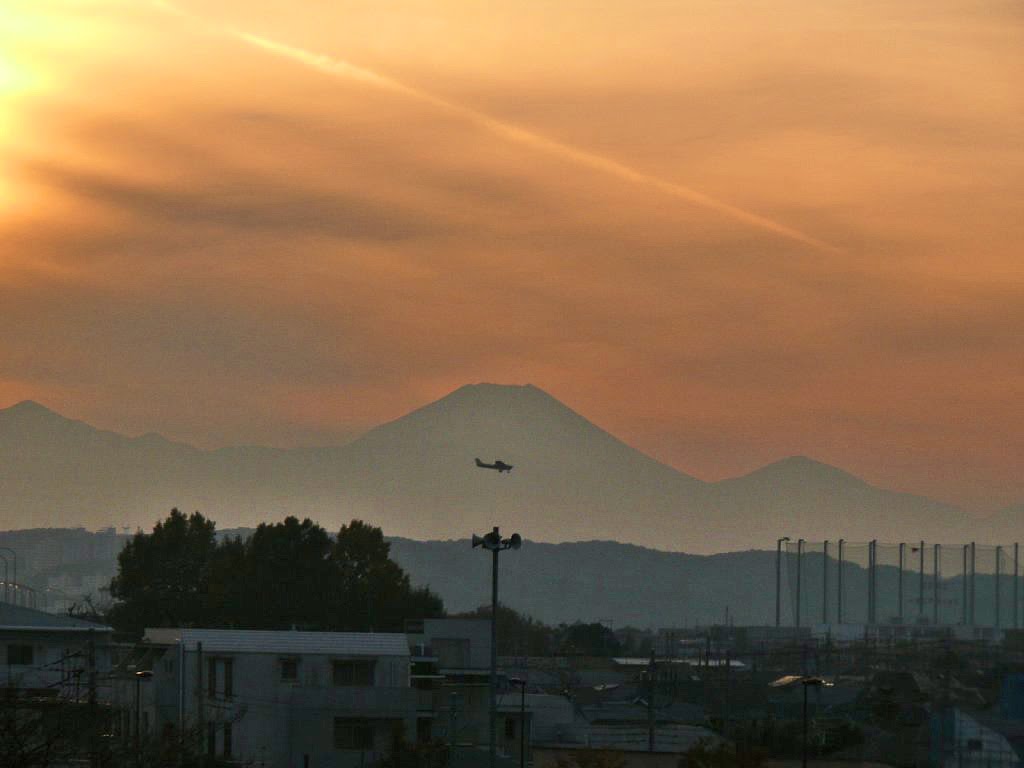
(352, 734)
(451, 652)
(19, 655)
(510, 728)
(211, 739)
(211, 677)
(227, 740)
(228, 682)
(289, 670)
(353, 672)
(220, 677)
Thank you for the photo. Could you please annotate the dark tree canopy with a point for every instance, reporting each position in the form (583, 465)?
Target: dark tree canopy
(162, 577)
(287, 574)
(518, 634)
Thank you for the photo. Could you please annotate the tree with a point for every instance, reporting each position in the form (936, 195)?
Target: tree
(289, 578)
(518, 634)
(163, 577)
(286, 574)
(589, 640)
(375, 592)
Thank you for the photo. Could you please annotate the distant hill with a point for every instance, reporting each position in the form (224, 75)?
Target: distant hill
(606, 581)
(415, 478)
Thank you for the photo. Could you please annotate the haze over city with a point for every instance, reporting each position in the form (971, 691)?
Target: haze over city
(727, 234)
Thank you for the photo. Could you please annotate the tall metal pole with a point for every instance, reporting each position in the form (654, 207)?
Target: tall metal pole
(522, 725)
(803, 761)
(936, 578)
(872, 554)
(964, 608)
(920, 585)
(899, 584)
(1016, 579)
(652, 671)
(778, 580)
(839, 585)
(6, 582)
(493, 742)
(824, 584)
(799, 563)
(973, 572)
(138, 730)
(999, 557)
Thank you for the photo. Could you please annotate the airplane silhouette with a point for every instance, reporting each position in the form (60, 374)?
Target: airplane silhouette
(498, 464)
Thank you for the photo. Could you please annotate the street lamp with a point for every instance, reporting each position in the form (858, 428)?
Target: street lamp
(778, 580)
(806, 681)
(522, 719)
(141, 675)
(495, 544)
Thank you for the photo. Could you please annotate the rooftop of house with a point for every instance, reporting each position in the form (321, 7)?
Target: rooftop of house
(289, 642)
(20, 618)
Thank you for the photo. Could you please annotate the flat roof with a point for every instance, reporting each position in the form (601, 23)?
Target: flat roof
(283, 641)
(20, 618)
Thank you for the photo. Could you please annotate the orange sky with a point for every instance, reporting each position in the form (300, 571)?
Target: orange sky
(727, 232)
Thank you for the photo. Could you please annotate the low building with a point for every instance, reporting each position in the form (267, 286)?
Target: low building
(324, 699)
(53, 655)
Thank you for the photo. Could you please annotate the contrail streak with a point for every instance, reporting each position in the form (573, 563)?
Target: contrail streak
(514, 134)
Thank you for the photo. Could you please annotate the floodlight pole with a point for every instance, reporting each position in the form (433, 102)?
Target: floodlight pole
(493, 742)
(778, 580)
(495, 544)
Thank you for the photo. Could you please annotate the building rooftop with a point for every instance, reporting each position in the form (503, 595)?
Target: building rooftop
(18, 617)
(264, 641)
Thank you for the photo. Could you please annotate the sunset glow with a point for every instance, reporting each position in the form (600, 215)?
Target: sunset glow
(727, 233)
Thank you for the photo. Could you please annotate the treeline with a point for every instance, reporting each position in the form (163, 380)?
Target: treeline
(521, 635)
(294, 574)
(285, 575)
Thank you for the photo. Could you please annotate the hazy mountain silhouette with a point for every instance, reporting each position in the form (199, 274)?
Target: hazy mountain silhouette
(415, 477)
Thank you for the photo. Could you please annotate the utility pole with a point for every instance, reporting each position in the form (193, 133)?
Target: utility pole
(200, 697)
(839, 585)
(453, 716)
(936, 577)
(778, 580)
(973, 574)
(1016, 579)
(94, 724)
(824, 584)
(999, 557)
(651, 671)
(965, 571)
(799, 565)
(920, 585)
(872, 588)
(899, 584)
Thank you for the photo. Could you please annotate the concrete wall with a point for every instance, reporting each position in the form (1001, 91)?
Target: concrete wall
(276, 722)
(56, 655)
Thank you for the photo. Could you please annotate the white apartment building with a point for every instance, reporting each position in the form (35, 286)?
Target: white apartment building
(52, 655)
(288, 699)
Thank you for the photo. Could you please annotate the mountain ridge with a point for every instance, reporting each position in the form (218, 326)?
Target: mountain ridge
(414, 476)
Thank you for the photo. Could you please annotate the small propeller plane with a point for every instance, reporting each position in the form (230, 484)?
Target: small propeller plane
(499, 465)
